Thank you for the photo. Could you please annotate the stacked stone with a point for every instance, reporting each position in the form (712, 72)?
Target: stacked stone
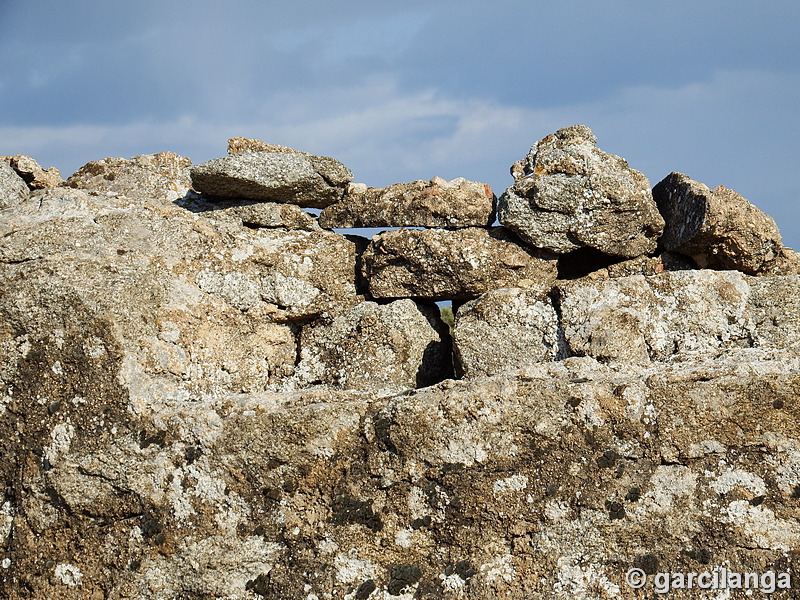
(250, 291)
(619, 241)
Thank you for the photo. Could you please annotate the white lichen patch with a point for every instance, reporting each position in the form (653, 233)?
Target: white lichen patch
(350, 569)
(581, 580)
(61, 436)
(761, 527)
(556, 510)
(6, 519)
(669, 484)
(69, 574)
(734, 478)
(452, 583)
(499, 569)
(515, 483)
(706, 447)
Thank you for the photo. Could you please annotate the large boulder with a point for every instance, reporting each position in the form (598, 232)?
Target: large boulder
(388, 347)
(505, 329)
(163, 176)
(551, 483)
(32, 172)
(568, 194)
(675, 314)
(191, 308)
(458, 264)
(12, 187)
(434, 203)
(718, 228)
(283, 176)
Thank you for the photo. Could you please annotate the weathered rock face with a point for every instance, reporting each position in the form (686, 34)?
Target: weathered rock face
(718, 228)
(196, 309)
(12, 187)
(249, 213)
(389, 347)
(163, 176)
(195, 402)
(434, 203)
(568, 194)
(550, 483)
(32, 172)
(456, 264)
(638, 319)
(503, 330)
(294, 177)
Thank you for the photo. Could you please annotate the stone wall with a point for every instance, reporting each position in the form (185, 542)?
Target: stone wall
(208, 391)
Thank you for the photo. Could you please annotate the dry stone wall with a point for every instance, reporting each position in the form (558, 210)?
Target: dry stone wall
(205, 392)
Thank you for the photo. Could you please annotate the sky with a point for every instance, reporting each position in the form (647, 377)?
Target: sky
(409, 90)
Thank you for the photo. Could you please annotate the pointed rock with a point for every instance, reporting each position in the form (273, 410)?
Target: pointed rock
(568, 194)
(718, 228)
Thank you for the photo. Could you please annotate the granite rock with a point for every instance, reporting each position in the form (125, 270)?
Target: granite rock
(193, 307)
(434, 203)
(292, 177)
(13, 190)
(163, 176)
(389, 347)
(717, 227)
(457, 264)
(32, 172)
(503, 330)
(675, 314)
(568, 194)
(550, 483)
(248, 213)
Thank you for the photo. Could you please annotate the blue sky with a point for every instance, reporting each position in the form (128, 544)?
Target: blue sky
(408, 90)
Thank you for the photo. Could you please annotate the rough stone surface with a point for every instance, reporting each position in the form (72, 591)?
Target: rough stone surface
(293, 177)
(204, 408)
(451, 264)
(12, 187)
(240, 144)
(163, 176)
(718, 228)
(786, 263)
(434, 203)
(638, 318)
(252, 214)
(550, 483)
(388, 347)
(503, 330)
(568, 194)
(32, 172)
(194, 308)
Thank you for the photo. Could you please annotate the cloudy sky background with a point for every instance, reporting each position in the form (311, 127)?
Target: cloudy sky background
(408, 90)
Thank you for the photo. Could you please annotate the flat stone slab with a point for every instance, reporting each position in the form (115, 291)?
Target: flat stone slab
(434, 203)
(251, 213)
(568, 194)
(457, 264)
(293, 177)
(717, 227)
